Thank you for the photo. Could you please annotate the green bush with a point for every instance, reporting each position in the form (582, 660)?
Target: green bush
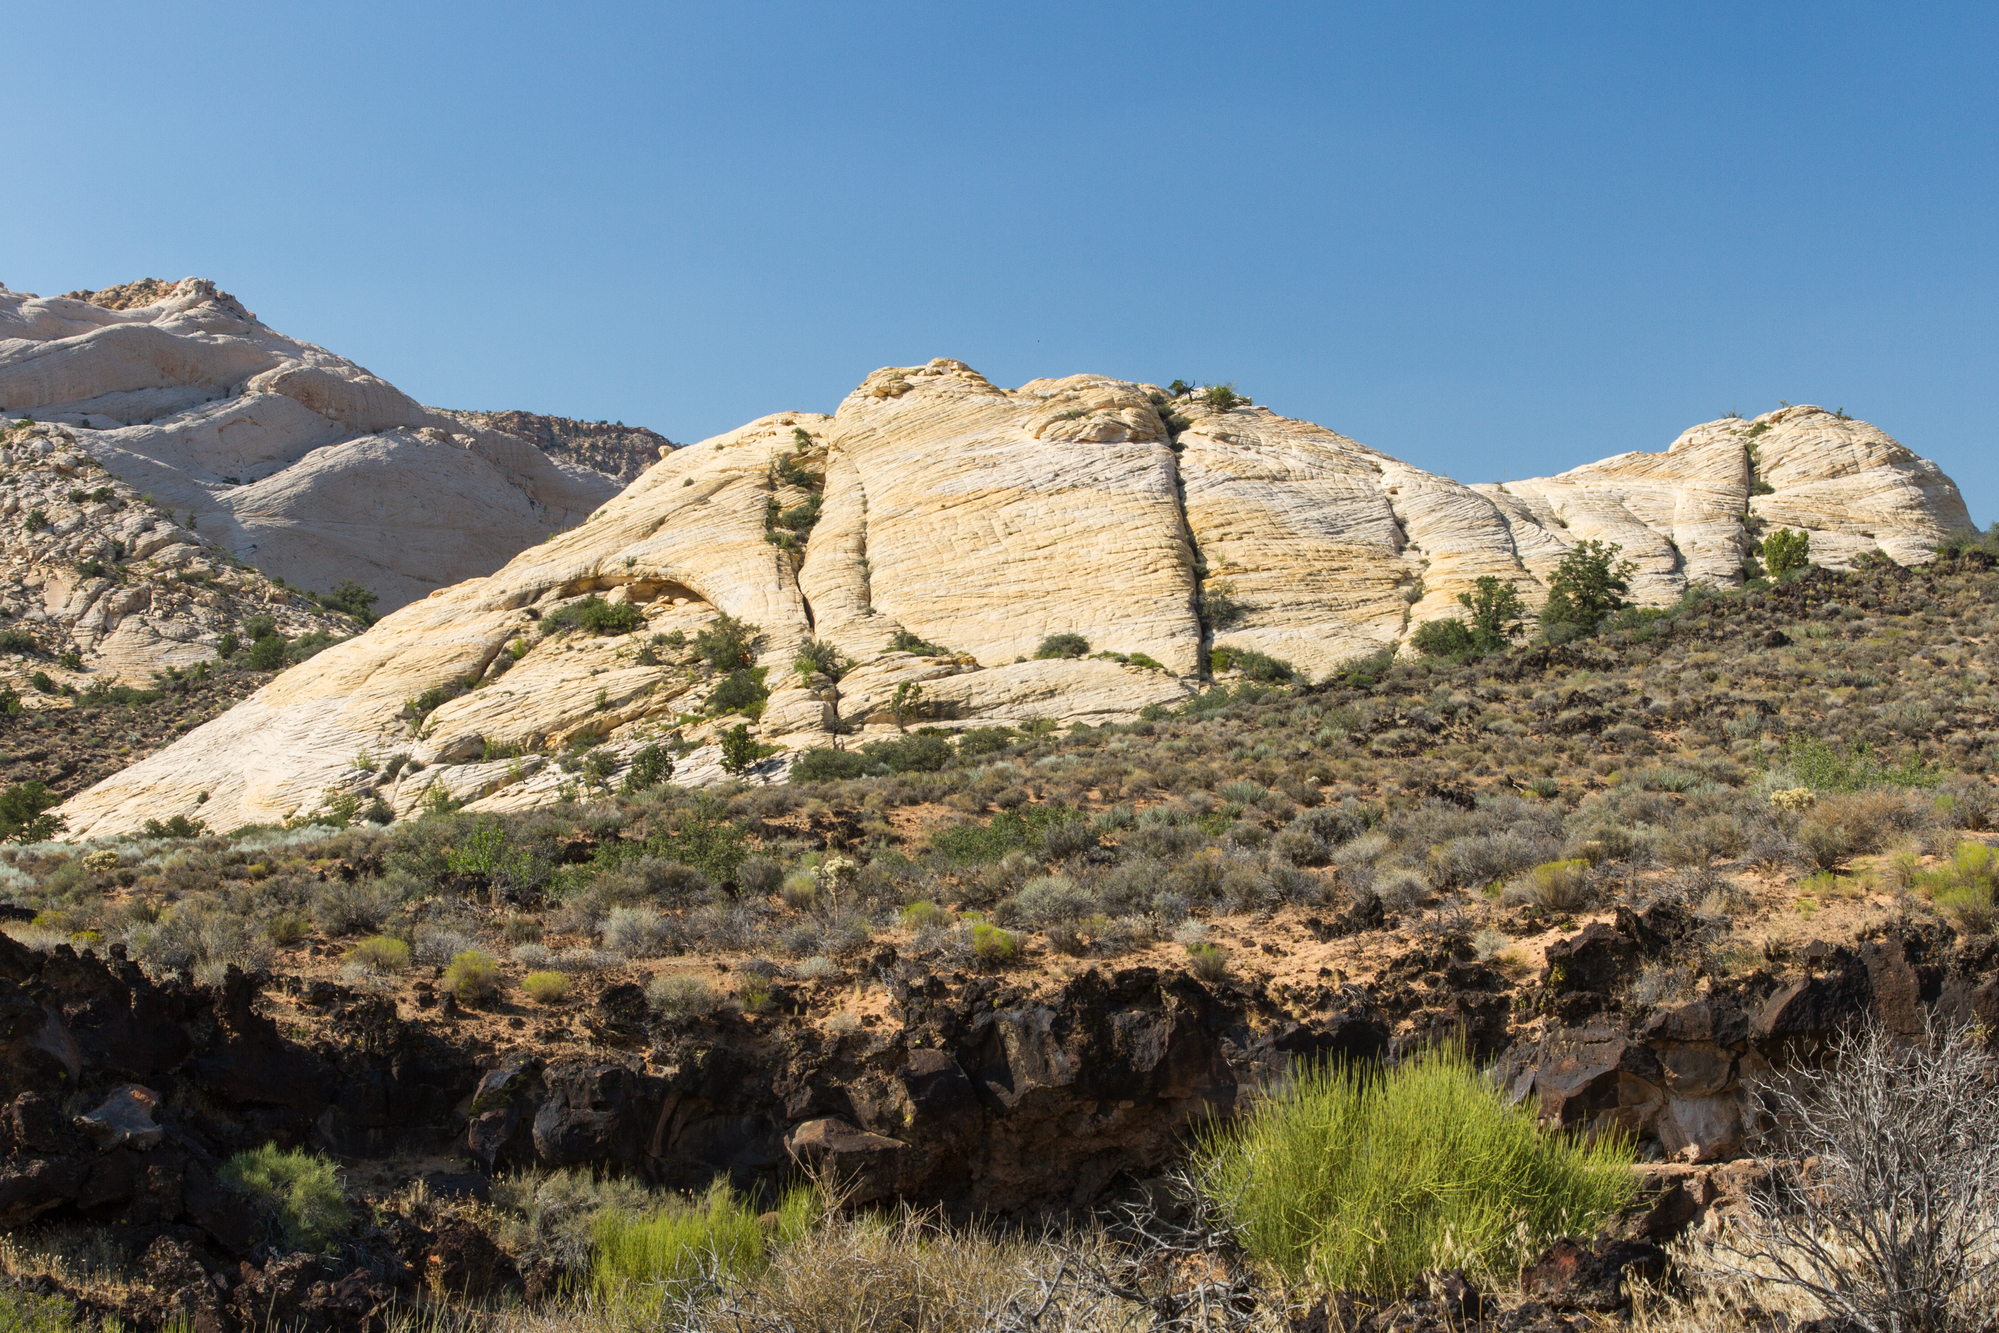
(23, 813)
(650, 767)
(825, 765)
(1257, 666)
(380, 953)
(473, 976)
(740, 692)
(546, 987)
(1360, 1179)
(993, 945)
(1588, 585)
(1207, 961)
(267, 653)
(910, 754)
(298, 1189)
(1009, 830)
(1787, 552)
(596, 616)
(26, 1312)
(1442, 638)
(820, 658)
(905, 642)
(985, 740)
(729, 644)
(740, 750)
(642, 1257)
(920, 914)
(1063, 645)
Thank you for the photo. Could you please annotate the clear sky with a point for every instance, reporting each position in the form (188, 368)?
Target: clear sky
(1496, 240)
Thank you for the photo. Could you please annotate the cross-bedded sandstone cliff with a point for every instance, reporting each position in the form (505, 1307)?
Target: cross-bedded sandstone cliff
(966, 523)
(296, 460)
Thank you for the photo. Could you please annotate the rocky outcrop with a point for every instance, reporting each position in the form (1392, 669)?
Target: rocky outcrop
(934, 532)
(1684, 1075)
(614, 449)
(294, 459)
(90, 567)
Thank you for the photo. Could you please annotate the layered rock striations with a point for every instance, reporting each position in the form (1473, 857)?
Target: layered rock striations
(296, 460)
(99, 585)
(934, 531)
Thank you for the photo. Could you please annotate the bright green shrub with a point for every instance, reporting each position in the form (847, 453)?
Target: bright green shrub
(546, 987)
(991, 944)
(640, 1257)
(380, 953)
(300, 1190)
(1363, 1178)
(1207, 961)
(920, 914)
(473, 975)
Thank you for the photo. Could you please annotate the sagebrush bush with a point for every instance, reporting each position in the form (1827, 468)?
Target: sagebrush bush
(681, 996)
(300, 1191)
(1360, 1179)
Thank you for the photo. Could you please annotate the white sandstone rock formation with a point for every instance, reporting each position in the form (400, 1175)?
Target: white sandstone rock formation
(296, 460)
(959, 524)
(97, 586)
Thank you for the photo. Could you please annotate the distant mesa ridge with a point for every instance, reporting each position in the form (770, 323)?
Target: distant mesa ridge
(935, 530)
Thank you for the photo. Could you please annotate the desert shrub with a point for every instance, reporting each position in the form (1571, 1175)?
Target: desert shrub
(681, 996)
(919, 915)
(1253, 664)
(1363, 1178)
(298, 1190)
(1894, 1225)
(651, 766)
(728, 644)
(1063, 645)
(637, 931)
(24, 813)
(380, 953)
(546, 987)
(23, 1311)
(910, 754)
(1786, 552)
(1588, 585)
(905, 642)
(974, 741)
(1554, 886)
(1442, 638)
(740, 692)
(1051, 899)
(1207, 961)
(1009, 830)
(596, 616)
(473, 976)
(759, 875)
(658, 1254)
(992, 945)
(826, 765)
(549, 1217)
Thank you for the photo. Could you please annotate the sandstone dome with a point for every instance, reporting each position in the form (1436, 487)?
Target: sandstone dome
(291, 458)
(953, 526)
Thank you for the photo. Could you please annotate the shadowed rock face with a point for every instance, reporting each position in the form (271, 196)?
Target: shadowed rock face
(298, 461)
(977, 521)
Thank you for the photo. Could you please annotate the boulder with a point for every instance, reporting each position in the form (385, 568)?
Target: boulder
(1571, 1276)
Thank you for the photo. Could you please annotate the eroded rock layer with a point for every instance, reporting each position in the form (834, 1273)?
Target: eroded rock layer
(932, 533)
(294, 459)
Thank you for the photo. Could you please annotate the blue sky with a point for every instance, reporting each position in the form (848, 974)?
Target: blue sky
(1495, 240)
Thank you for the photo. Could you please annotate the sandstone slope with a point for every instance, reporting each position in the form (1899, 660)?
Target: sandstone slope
(614, 449)
(934, 531)
(296, 460)
(98, 586)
